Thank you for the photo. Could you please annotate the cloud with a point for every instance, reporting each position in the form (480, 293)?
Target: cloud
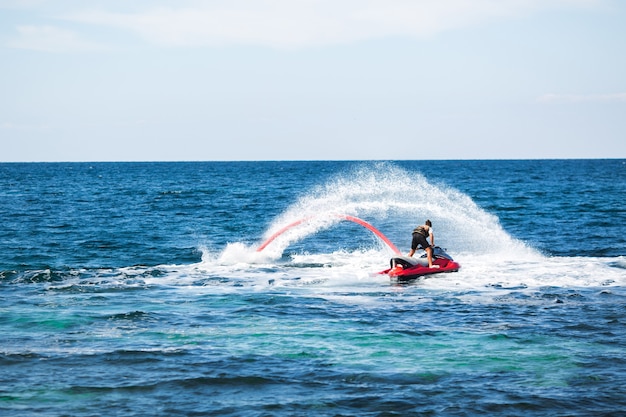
(22, 127)
(50, 39)
(582, 98)
(303, 23)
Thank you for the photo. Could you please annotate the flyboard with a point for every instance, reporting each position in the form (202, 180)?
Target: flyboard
(402, 268)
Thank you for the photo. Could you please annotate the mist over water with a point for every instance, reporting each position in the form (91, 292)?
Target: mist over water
(395, 201)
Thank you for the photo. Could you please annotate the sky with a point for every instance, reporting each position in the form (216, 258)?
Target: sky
(247, 80)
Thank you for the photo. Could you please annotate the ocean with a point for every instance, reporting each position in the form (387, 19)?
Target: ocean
(137, 289)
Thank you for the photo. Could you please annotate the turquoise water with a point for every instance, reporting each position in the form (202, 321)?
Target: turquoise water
(136, 289)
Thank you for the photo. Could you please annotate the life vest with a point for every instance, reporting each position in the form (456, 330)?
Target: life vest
(422, 230)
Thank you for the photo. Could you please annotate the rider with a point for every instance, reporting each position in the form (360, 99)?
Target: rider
(420, 233)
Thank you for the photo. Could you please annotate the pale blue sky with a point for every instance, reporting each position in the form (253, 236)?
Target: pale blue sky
(160, 80)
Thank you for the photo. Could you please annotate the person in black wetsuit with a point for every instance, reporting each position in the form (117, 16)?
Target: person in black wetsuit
(420, 234)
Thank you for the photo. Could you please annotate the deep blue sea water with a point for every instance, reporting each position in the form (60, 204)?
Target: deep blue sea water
(136, 289)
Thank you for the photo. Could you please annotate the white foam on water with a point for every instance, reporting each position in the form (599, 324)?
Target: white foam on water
(394, 201)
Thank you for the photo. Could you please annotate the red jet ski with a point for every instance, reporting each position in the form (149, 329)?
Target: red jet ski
(405, 268)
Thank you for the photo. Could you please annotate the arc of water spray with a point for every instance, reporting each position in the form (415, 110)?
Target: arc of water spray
(341, 216)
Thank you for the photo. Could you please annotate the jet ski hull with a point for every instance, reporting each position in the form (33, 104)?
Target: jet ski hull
(404, 268)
